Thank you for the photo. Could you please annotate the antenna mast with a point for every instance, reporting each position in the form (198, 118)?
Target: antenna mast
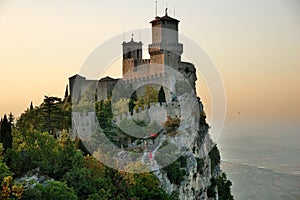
(155, 8)
(167, 8)
(174, 10)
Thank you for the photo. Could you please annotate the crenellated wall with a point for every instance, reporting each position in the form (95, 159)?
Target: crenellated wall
(155, 112)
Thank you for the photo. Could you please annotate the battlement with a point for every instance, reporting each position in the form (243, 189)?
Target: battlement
(152, 78)
(176, 48)
(143, 69)
(143, 61)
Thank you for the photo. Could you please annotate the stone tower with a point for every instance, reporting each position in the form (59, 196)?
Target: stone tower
(132, 54)
(165, 48)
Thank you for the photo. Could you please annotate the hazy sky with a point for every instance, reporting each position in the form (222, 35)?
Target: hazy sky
(254, 44)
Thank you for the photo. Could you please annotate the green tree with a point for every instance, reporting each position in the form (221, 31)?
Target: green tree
(40, 149)
(31, 106)
(5, 133)
(9, 190)
(161, 95)
(40, 119)
(14, 161)
(52, 190)
(53, 114)
(11, 119)
(54, 157)
(224, 191)
(221, 185)
(104, 113)
(66, 92)
(120, 107)
(4, 170)
(150, 96)
(83, 180)
(144, 186)
(215, 157)
(29, 120)
(202, 120)
(176, 170)
(132, 101)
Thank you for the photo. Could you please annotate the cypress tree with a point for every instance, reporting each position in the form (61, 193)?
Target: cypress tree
(132, 101)
(31, 106)
(161, 95)
(5, 133)
(66, 92)
(11, 118)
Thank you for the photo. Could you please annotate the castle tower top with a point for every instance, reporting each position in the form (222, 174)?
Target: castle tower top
(165, 29)
(164, 20)
(132, 49)
(132, 53)
(165, 40)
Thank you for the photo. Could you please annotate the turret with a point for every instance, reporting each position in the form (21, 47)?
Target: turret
(132, 52)
(165, 46)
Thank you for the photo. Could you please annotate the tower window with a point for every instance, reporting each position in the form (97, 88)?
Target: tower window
(128, 53)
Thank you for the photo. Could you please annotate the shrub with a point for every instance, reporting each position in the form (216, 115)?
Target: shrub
(52, 190)
(200, 165)
(214, 155)
(171, 125)
(176, 171)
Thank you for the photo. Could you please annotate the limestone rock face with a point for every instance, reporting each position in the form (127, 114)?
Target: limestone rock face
(190, 176)
(194, 143)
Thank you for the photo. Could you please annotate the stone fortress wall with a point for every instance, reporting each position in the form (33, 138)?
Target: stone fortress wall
(84, 124)
(155, 111)
(87, 122)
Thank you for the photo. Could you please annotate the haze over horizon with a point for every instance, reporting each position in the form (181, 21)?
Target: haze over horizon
(255, 46)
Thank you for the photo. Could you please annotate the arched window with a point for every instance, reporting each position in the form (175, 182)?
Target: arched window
(128, 53)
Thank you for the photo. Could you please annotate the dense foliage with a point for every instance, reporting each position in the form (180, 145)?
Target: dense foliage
(222, 186)
(52, 116)
(200, 165)
(150, 95)
(215, 157)
(42, 142)
(5, 132)
(176, 170)
(219, 184)
(53, 190)
(39, 140)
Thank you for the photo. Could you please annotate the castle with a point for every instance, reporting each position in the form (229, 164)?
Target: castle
(153, 144)
(165, 50)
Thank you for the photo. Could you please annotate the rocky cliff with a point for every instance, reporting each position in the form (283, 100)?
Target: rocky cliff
(170, 139)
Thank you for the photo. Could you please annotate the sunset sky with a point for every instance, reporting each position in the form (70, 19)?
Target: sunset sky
(255, 45)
